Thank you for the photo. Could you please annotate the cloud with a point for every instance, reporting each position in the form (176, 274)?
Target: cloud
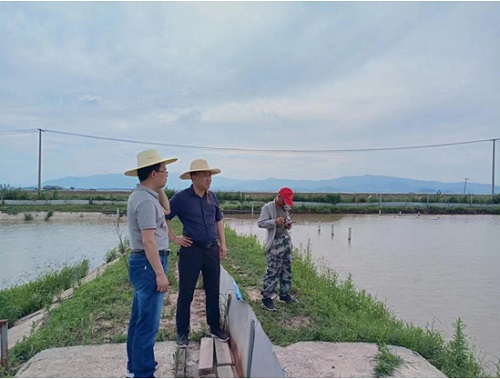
(294, 75)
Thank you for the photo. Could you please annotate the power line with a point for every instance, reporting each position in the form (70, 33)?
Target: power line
(250, 150)
(19, 131)
(270, 150)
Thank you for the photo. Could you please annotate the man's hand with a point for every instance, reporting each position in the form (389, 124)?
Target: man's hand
(183, 241)
(280, 221)
(223, 251)
(161, 283)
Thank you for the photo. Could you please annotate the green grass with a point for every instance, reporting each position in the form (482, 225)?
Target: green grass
(328, 310)
(21, 300)
(387, 362)
(96, 314)
(363, 208)
(50, 213)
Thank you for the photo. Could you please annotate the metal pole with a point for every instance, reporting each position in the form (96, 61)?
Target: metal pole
(39, 161)
(465, 184)
(493, 172)
(251, 342)
(4, 344)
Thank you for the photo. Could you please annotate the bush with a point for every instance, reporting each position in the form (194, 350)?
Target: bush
(49, 214)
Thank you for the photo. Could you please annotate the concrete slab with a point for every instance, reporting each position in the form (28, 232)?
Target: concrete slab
(24, 327)
(351, 360)
(93, 361)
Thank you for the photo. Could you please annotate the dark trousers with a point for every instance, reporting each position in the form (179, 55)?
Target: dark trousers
(192, 260)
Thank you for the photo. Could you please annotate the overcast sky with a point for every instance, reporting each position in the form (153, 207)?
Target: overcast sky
(277, 76)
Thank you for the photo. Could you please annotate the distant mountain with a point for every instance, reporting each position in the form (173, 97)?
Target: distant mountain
(352, 184)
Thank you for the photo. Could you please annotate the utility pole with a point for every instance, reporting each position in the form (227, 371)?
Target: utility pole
(493, 171)
(39, 161)
(465, 184)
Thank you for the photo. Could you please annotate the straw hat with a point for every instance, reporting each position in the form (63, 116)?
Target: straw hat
(197, 165)
(148, 158)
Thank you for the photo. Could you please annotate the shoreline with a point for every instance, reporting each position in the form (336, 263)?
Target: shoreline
(40, 216)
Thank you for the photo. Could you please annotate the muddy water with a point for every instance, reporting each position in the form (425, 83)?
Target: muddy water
(429, 270)
(29, 248)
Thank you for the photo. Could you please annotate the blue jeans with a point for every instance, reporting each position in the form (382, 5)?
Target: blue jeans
(145, 317)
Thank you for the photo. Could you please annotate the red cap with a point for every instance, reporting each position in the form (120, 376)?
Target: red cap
(287, 195)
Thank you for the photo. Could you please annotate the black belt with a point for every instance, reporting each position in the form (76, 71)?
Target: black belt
(205, 245)
(163, 253)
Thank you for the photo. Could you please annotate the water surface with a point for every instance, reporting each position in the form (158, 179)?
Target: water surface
(30, 248)
(430, 270)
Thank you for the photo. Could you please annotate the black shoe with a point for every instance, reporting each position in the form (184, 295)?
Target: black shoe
(220, 335)
(182, 341)
(268, 304)
(288, 299)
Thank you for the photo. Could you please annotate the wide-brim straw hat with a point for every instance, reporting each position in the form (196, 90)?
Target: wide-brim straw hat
(148, 158)
(198, 165)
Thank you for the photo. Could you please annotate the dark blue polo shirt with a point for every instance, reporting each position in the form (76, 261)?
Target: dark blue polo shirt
(197, 214)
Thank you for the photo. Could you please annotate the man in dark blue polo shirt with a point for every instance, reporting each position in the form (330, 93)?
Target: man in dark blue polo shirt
(202, 244)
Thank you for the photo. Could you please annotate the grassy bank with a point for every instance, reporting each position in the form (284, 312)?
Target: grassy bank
(328, 310)
(21, 300)
(245, 207)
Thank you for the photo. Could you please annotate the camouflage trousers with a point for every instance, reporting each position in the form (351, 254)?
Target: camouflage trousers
(279, 267)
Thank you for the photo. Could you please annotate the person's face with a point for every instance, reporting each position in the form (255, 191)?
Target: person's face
(202, 180)
(161, 175)
(279, 201)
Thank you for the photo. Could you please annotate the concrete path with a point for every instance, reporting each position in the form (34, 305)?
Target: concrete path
(347, 360)
(303, 359)
(93, 361)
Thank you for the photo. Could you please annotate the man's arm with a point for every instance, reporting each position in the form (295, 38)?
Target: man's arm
(178, 240)
(222, 239)
(151, 249)
(265, 220)
(165, 204)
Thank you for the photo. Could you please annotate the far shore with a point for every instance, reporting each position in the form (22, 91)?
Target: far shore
(40, 216)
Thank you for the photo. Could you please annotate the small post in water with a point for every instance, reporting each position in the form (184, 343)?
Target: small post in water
(332, 231)
(319, 228)
(349, 235)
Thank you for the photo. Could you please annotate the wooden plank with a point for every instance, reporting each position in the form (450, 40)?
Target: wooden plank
(222, 353)
(206, 362)
(225, 372)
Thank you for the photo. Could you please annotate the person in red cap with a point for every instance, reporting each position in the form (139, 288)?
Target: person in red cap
(275, 217)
